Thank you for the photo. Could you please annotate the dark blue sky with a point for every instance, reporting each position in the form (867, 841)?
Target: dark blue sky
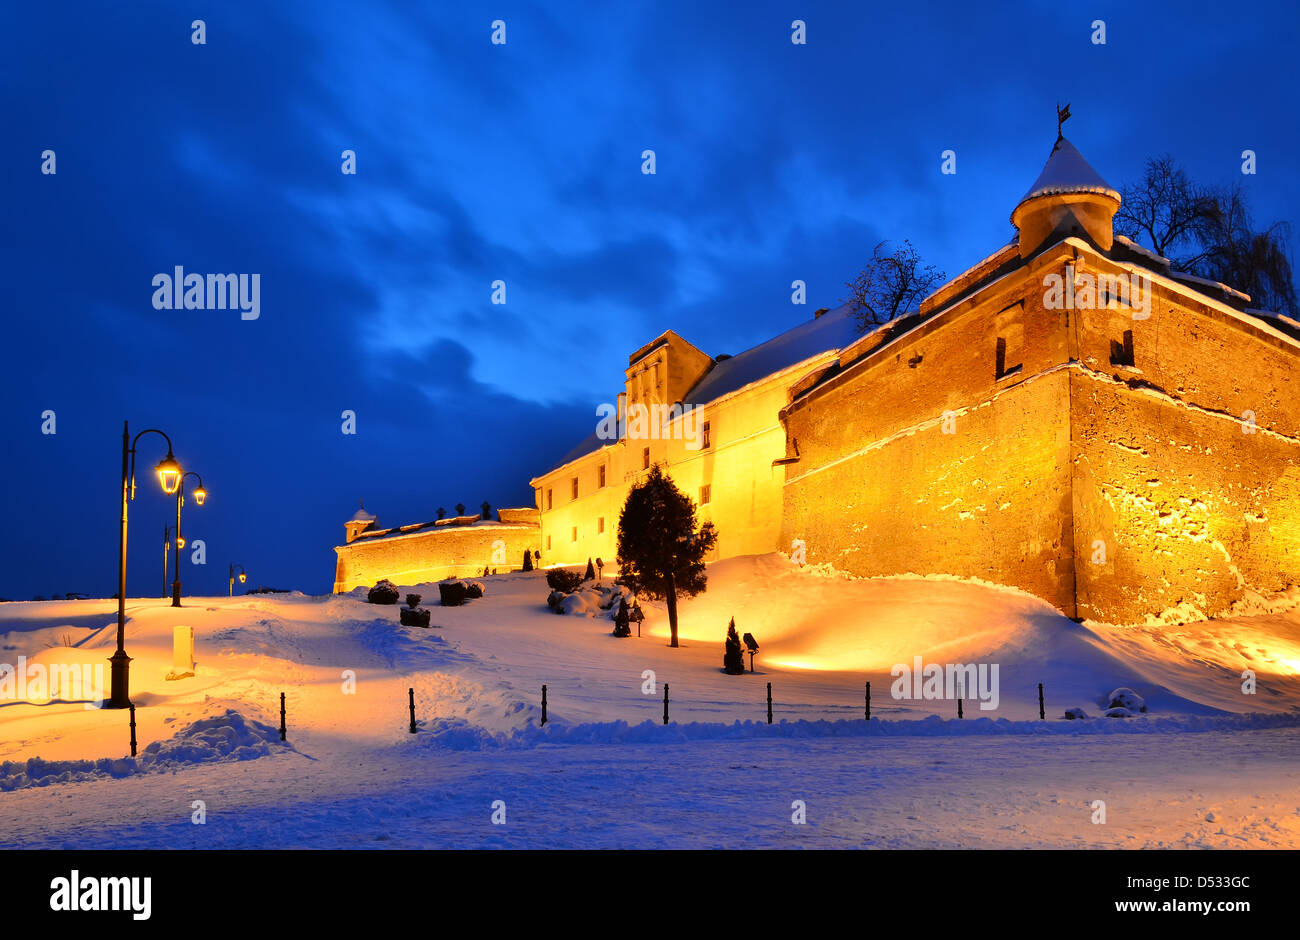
(520, 163)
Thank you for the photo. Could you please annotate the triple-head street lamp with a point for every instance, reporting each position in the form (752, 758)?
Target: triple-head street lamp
(200, 494)
(169, 477)
(243, 576)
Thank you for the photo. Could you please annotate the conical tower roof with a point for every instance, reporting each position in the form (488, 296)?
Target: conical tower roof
(1069, 198)
(1067, 172)
(362, 516)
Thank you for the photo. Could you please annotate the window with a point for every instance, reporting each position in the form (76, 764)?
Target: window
(575, 487)
(548, 543)
(645, 459)
(706, 439)
(706, 494)
(539, 497)
(1001, 367)
(602, 474)
(600, 525)
(574, 538)
(1121, 353)
(1011, 340)
(549, 501)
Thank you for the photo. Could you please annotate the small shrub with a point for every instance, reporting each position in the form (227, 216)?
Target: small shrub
(452, 593)
(385, 592)
(561, 580)
(414, 618)
(555, 601)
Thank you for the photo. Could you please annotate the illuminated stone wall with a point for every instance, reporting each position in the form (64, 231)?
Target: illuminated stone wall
(432, 554)
(745, 501)
(1178, 498)
(919, 458)
(1112, 490)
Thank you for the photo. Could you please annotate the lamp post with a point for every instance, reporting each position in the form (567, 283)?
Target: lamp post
(169, 476)
(243, 576)
(200, 494)
(167, 551)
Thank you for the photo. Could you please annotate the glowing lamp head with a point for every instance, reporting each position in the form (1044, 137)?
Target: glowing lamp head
(180, 542)
(242, 577)
(200, 495)
(169, 474)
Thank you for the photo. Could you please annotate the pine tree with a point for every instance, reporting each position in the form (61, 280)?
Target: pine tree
(660, 550)
(733, 660)
(528, 560)
(591, 572)
(621, 624)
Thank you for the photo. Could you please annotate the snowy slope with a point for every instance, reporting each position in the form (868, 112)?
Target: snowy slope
(346, 666)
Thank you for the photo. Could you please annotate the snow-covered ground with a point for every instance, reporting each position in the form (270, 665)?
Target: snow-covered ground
(1206, 765)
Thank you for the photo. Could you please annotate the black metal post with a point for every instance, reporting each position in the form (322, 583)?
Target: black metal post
(176, 575)
(543, 705)
(769, 703)
(167, 547)
(959, 714)
(120, 696)
(133, 731)
(282, 728)
(411, 693)
(665, 703)
(868, 701)
(1041, 714)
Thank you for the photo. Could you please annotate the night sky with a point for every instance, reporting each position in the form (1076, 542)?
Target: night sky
(521, 163)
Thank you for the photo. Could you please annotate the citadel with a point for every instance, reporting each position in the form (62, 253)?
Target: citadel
(1070, 416)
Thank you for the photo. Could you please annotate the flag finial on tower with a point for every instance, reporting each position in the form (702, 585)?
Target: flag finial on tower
(1062, 115)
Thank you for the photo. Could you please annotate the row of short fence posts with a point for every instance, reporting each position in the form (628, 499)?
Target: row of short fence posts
(410, 692)
(411, 703)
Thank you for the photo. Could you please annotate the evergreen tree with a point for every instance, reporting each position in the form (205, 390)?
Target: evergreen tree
(621, 624)
(660, 549)
(591, 572)
(733, 660)
(528, 560)
(442, 513)
(460, 509)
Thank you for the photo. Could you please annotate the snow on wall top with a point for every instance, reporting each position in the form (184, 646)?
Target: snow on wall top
(362, 516)
(1067, 172)
(832, 331)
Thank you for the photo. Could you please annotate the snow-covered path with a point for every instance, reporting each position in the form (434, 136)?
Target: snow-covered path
(1221, 790)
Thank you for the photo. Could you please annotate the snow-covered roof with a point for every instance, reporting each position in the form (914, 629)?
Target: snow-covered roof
(831, 331)
(1067, 172)
(362, 516)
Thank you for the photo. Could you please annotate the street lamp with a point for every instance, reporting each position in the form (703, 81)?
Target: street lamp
(243, 576)
(200, 494)
(167, 553)
(169, 477)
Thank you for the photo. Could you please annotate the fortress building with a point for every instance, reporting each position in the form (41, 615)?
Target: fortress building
(1070, 417)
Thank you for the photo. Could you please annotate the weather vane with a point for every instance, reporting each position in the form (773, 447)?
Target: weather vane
(1062, 115)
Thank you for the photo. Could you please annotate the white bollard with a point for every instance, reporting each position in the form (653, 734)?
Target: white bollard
(182, 653)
